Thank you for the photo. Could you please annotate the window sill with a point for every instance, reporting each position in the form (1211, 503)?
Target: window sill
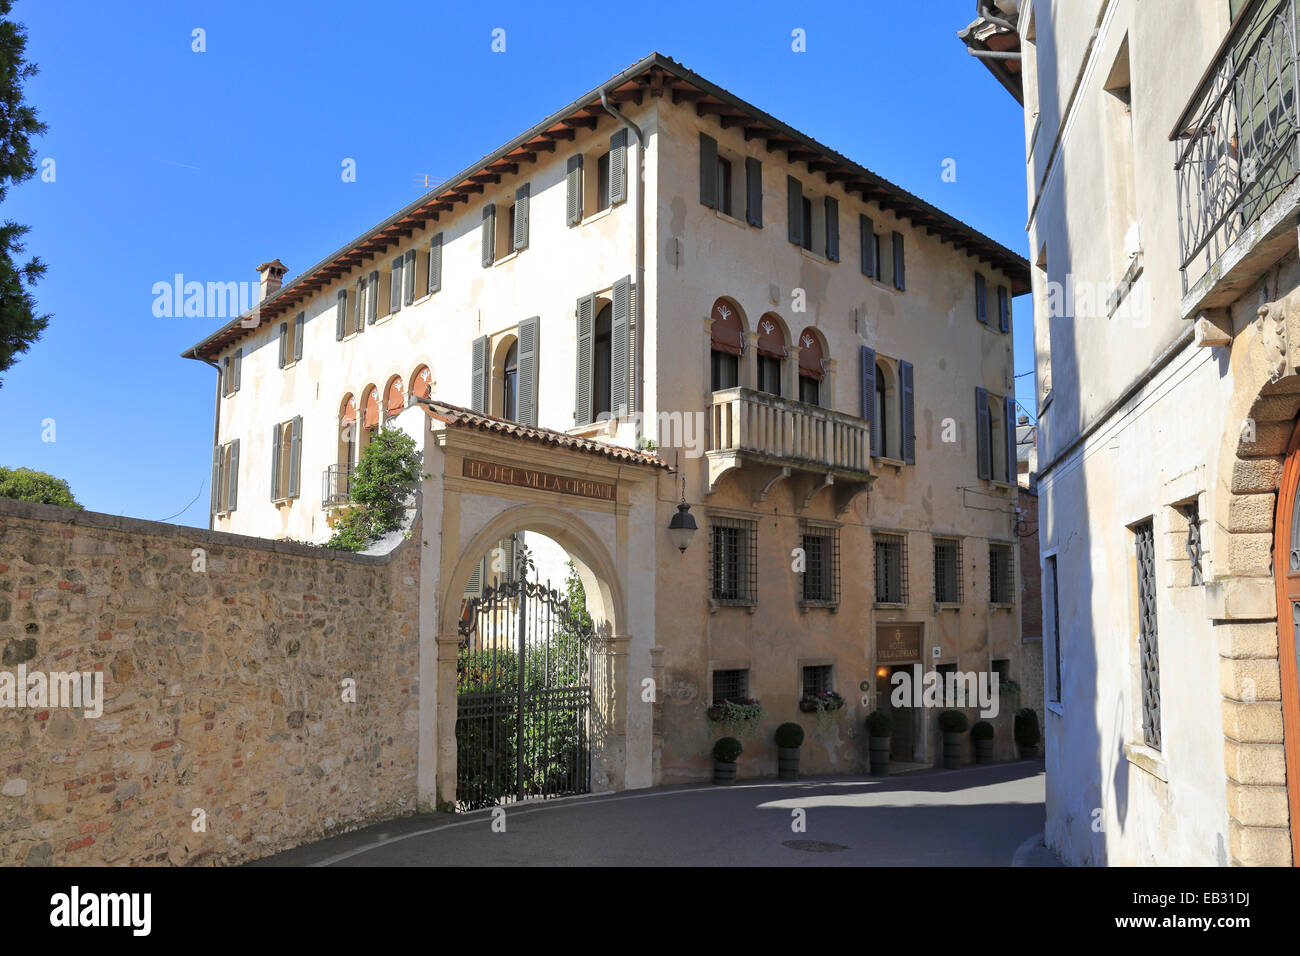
(832, 606)
(947, 606)
(288, 365)
(1144, 758)
(284, 502)
(595, 215)
(728, 218)
(894, 463)
(508, 258)
(1001, 605)
(891, 605)
(997, 484)
(715, 603)
(816, 257)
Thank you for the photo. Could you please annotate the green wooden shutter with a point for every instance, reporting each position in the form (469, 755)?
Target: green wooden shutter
(981, 304)
(216, 479)
(908, 416)
(526, 391)
(489, 233)
(573, 190)
(794, 210)
(435, 263)
(983, 454)
(900, 282)
(867, 242)
(618, 166)
(1009, 407)
(372, 297)
(753, 191)
(232, 479)
(341, 315)
(295, 455)
(238, 369)
(299, 324)
(586, 312)
(275, 463)
(284, 344)
(708, 171)
(620, 376)
(408, 277)
(478, 375)
(832, 206)
(520, 238)
(867, 383)
(395, 286)
(1004, 309)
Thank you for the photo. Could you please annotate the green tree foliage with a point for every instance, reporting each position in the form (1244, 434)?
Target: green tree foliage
(28, 485)
(389, 468)
(20, 326)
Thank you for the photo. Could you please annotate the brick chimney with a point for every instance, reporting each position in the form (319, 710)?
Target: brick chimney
(270, 275)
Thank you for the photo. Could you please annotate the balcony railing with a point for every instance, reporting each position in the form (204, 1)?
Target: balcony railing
(1237, 140)
(786, 431)
(336, 485)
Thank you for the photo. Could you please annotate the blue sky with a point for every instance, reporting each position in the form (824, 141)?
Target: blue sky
(167, 160)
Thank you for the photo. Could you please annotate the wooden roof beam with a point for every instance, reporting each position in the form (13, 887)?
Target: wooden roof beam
(584, 122)
(686, 95)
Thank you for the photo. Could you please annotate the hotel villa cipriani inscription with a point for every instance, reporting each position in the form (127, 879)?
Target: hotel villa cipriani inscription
(539, 480)
(898, 642)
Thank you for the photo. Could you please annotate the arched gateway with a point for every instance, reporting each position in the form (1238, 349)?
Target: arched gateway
(542, 699)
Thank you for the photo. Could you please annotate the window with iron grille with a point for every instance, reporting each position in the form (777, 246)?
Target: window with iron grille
(1192, 513)
(1056, 626)
(730, 685)
(1144, 538)
(817, 680)
(1001, 574)
(947, 570)
(891, 568)
(733, 560)
(821, 576)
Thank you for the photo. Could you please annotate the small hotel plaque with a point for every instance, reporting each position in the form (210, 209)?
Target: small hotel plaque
(898, 642)
(541, 480)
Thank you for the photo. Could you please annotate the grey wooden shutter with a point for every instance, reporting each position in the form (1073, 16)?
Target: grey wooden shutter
(1009, 408)
(239, 369)
(981, 296)
(526, 371)
(232, 479)
(573, 191)
(753, 191)
(216, 479)
(359, 318)
(341, 315)
(832, 228)
(520, 238)
(224, 378)
(794, 210)
(867, 242)
(299, 323)
(408, 277)
(474, 586)
(275, 463)
(908, 416)
(489, 233)
(478, 375)
(295, 455)
(284, 344)
(395, 287)
(435, 263)
(618, 167)
(708, 171)
(900, 282)
(582, 404)
(983, 454)
(372, 297)
(867, 382)
(620, 327)
(1004, 309)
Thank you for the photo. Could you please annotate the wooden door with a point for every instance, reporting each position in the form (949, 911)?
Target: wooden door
(1286, 573)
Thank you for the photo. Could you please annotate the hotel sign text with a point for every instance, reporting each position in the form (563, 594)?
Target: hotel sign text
(540, 480)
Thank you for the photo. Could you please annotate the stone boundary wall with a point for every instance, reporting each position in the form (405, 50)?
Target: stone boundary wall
(223, 690)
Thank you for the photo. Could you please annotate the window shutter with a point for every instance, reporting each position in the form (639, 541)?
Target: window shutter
(478, 376)
(295, 455)
(239, 368)
(900, 282)
(708, 171)
(867, 381)
(1004, 310)
(359, 307)
(794, 210)
(618, 167)
(435, 263)
(216, 478)
(232, 479)
(526, 392)
(908, 416)
(753, 191)
(520, 238)
(832, 228)
(489, 237)
(474, 586)
(586, 313)
(341, 315)
(284, 344)
(408, 277)
(395, 287)
(573, 191)
(867, 241)
(298, 324)
(275, 463)
(983, 454)
(620, 328)
(981, 305)
(224, 378)
(1009, 407)
(372, 297)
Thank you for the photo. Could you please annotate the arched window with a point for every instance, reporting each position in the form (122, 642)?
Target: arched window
(421, 382)
(771, 353)
(394, 400)
(510, 384)
(347, 450)
(369, 416)
(726, 346)
(881, 422)
(602, 362)
(811, 370)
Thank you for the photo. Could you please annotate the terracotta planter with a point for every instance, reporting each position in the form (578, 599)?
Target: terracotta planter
(724, 773)
(952, 751)
(787, 763)
(983, 751)
(880, 747)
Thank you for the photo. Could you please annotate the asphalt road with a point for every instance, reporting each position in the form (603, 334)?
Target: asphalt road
(976, 816)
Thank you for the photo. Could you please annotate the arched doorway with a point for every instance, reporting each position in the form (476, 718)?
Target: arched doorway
(1286, 574)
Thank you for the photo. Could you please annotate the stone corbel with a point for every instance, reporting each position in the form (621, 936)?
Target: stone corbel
(767, 480)
(1273, 337)
(814, 486)
(847, 493)
(1213, 328)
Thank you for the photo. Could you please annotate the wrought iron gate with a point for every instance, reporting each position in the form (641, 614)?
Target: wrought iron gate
(524, 691)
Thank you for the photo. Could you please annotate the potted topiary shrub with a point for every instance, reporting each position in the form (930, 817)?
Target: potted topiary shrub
(953, 723)
(725, 752)
(982, 734)
(1026, 731)
(880, 728)
(789, 738)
